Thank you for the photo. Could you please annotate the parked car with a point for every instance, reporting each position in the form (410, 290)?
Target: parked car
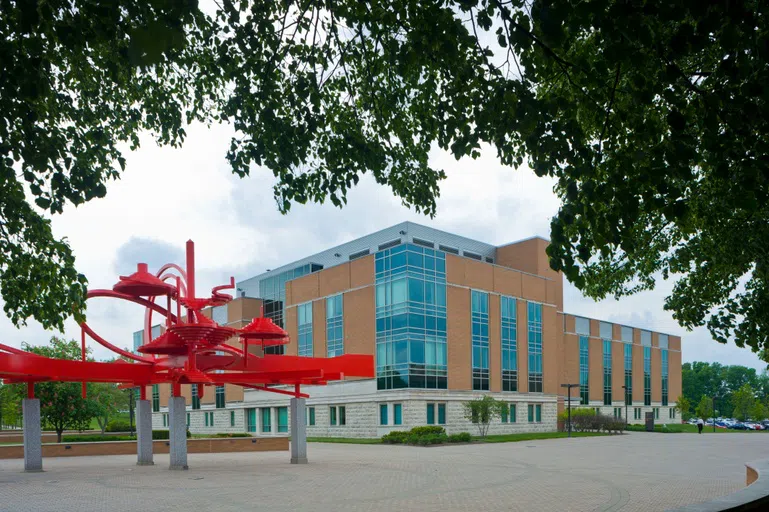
(739, 426)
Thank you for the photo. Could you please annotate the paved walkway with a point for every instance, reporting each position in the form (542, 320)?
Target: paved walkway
(634, 472)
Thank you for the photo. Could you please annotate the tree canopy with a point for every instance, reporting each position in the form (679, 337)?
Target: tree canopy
(651, 116)
(737, 389)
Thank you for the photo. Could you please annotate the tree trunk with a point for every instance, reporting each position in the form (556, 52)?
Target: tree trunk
(58, 435)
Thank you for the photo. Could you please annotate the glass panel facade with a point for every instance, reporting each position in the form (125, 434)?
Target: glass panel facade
(304, 329)
(607, 372)
(397, 414)
(535, 347)
(664, 371)
(628, 374)
(509, 344)
(272, 290)
(334, 326)
(647, 376)
(410, 318)
(137, 340)
(282, 419)
(480, 336)
(584, 370)
(219, 314)
(220, 402)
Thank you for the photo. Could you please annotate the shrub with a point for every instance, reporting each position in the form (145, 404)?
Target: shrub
(395, 437)
(429, 429)
(94, 438)
(462, 437)
(118, 426)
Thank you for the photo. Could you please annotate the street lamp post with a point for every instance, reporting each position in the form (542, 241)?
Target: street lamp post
(568, 387)
(714, 414)
(626, 418)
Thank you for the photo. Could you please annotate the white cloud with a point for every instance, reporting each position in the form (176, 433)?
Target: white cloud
(167, 196)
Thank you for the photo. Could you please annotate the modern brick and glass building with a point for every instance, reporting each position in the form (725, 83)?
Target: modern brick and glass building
(447, 319)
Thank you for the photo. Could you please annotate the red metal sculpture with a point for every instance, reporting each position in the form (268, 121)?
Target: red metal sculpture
(191, 350)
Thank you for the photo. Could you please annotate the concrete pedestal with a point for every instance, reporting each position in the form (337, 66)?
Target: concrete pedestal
(33, 441)
(298, 432)
(144, 433)
(177, 426)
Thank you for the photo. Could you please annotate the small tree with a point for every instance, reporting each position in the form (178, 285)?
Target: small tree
(107, 400)
(62, 405)
(705, 408)
(481, 411)
(743, 400)
(758, 411)
(683, 405)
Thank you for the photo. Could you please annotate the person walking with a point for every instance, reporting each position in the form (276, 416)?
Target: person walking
(700, 425)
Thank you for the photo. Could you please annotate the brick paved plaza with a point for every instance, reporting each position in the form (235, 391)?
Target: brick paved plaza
(635, 472)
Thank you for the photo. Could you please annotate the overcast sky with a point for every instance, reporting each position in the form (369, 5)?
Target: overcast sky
(167, 196)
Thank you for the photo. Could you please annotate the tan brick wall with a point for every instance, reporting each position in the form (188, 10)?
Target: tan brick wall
(674, 376)
(570, 361)
(530, 256)
(455, 269)
(495, 344)
(243, 308)
(319, 328)
(595, 376)
(570, 323)
(303, 289)
(478, 275)
(533, 288)
(459, 337)
(359, 321)
(552, 334)
(523, 346)
(334, 279)
(362, 271)
(657, 375)
(674, 343)
(506, 281)
(617, 369)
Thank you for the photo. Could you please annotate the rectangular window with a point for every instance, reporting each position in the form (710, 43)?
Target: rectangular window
(663, 341)
(504, 413)
(664, 371)
(304, 329)
(311, 416)
(266, 419)
(410, 318)
(397, 414)
(512, 411)
(535, 347)
(441, 414)
(607, 372)
(480, 339)
(628, 374)
(431, 414)
(582, 326)
(647, 375)
(383, 414)
(584, 370)
(220, 402)
(627, 334)
(282, 419)
(219, 314)
(195, 397)
(155, 398)
(209, 419)
(646, 338)
(251, 420)
(618, 412)
(205, 418)
(334, 326)
(342, 415)
(538, 412)
(188, 419)
(636, 413)
(656, 413)
(232, 418)
(509, 335)
(332, 416)
(165, 420)
(531, 413)
(605, 330)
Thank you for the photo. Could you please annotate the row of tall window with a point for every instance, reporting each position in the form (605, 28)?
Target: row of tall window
(208, 416)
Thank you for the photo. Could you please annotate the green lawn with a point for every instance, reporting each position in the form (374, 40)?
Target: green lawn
(691, 429)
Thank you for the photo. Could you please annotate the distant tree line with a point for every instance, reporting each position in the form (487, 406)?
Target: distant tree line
(731, 391)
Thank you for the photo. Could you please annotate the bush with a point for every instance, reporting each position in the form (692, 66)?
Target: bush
(462, 437)
(162, 435)
(94, 438)
(427, 430)
(231, 434)
(395, 437)
(118, 426)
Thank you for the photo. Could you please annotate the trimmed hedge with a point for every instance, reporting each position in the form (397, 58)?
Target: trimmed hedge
(118, 426)
(584, 419)
(158, 435)
(424, 436)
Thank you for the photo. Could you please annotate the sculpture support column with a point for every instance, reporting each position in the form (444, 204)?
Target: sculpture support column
(33, 443)
(144, 433)
(298, 432)
(177, 426)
